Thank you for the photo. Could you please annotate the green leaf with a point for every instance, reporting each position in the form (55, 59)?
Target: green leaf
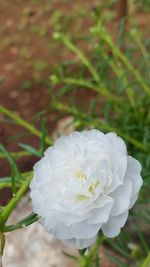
(43, 136)
(116, 261)
(146, 262)
(23, 123)
(14, 201)
(7, 182)
(118, 248)
(142, 215)
(122, 241)
(69, 255)
(92, 106)
(31, 149)
(142, 238)
(21, 224)
(97, 260)
(15, 173)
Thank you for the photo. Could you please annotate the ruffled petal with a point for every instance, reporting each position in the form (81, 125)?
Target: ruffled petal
(79, 230)
(100, 215)
(133, 174)
(118, 154)
(115, 223)
(80, 243)
(117, 141)
(121, 197)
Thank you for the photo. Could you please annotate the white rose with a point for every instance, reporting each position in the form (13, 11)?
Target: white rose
(85, 182)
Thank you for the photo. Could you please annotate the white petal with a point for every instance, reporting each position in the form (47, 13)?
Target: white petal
(113, 226)
(62, 217)
(36, 202)
(133, 200)
(117, 141)
(42, 173)
(121, 196)
(118, 154)
(79, 230)
(84, 208)
(133, 174)
(100, 215)
(80, 243)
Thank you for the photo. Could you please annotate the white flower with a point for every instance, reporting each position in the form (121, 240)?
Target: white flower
(84, 183)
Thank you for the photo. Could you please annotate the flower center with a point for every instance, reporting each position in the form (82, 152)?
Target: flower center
(91, 188)
(81, 175)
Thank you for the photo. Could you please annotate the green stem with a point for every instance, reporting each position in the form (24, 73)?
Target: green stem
(7, 184)
(82, 57)
(17, 154)
(6, 181)
(119, 71)
(100, 88)
(105, 36)
(30, 219)
(23, 123)
(85, 260)
(146, 262)
(82, 251)
(13, 202)
(96, 88)
(98, 243)
(2, 244)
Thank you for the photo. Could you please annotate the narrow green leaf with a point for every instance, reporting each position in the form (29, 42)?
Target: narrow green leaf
(118, 248)
(142, 215)
(17, 154)
(116, 261)
(23, 123)
(92, 106)
(7, 182)
(31, 149)
(97, 259)
(106, 37)
(122, 240)
(142, 238)
(13, 202)
(69, 255)
(23, 223)
(146, 262)
(16, 175)
(43, 136)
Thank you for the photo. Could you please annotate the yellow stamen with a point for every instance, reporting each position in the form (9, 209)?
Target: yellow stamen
(81, 175)
(81, 197)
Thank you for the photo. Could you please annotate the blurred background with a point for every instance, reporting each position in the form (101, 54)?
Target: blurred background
(74, 65)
